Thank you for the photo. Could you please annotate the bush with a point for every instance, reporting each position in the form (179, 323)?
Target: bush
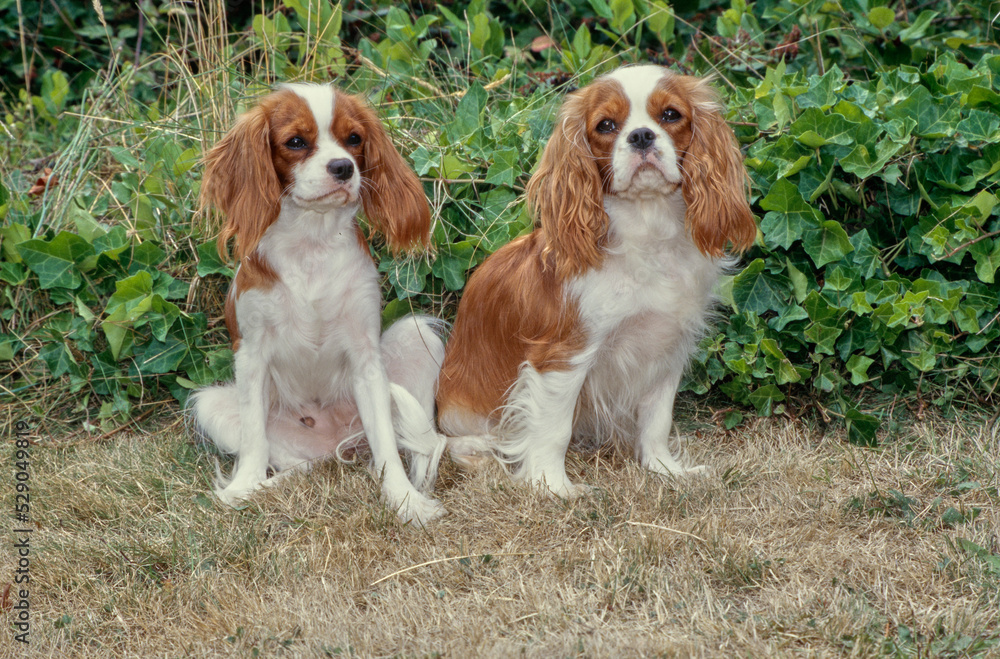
(870, 133)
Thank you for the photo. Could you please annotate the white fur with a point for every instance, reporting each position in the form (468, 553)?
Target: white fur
(311, 347)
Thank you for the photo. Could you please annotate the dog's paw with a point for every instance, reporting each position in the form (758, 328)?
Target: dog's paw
(418, 509)
(569, 490)
(558, 485)
(674, 469)
(235, 496)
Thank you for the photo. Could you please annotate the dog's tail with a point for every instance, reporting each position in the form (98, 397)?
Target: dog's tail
(417, 436)
(413, 353)
(215, 412)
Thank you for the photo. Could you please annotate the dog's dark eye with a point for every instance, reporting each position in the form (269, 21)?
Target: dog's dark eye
(353, 139)
(671, 115)
(296, 143)
(606, 126)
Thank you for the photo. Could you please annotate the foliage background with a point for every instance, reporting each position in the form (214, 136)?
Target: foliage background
(871, 133)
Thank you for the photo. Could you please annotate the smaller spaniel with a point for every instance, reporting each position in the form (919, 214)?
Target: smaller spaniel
(584, 327)
(304, 308)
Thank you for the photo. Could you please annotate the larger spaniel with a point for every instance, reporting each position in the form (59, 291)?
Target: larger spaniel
(585, 326)
(304, 308)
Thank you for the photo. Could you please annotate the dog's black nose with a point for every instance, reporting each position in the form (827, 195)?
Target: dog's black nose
(341, 169)
(641, 138)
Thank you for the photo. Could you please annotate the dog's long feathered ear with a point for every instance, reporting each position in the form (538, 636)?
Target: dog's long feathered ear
(392, 196)
(565, 195)
(715, 180)
(240, 181)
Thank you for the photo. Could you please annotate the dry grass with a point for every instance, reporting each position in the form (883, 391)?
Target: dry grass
(797, 545)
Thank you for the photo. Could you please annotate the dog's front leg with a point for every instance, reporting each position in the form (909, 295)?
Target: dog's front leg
(537, 425)
(656, 415)
(371, 392)
(252, 385)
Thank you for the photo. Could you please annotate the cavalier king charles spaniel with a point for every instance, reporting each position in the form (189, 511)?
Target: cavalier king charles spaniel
(584, 327)
(313, 372)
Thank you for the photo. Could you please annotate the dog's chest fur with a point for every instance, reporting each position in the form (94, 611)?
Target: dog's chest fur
(645, 308)
(325, 302)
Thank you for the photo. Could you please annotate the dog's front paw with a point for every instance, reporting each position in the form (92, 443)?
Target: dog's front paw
(235, 496)
(418, 509)
(558, 484)
(673, 468)
(570, 490)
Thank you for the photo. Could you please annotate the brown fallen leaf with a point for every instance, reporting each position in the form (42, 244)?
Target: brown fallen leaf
(5, 603)
(46, 180)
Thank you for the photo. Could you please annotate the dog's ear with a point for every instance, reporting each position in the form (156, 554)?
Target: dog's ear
(392, 196)
(715, 181)
(240, 181)
(566, 197)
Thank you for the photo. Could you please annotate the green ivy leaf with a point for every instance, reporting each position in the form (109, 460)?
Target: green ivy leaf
(13, 273)
(468, 114)
(924, 360)
(185, 161)
(124, 157)
(408, 277)
(56, 262)
(815, 129)
(131, 300)
(827, 243)
(823, 89)
(861, 428)
(863, 163)
(423, 160)
(396, 309)
(987, 256)
(857, 366)
(11, 236)
(87, 227)
(789, 215)
(209, 262)
(505, 167)
(59, 359)
(146, 256)
(453, 261)
(757, 291)
(162, 356)
(933, 117)
(784, 371)
(827, 378)
(980, 126)
(763, 398)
